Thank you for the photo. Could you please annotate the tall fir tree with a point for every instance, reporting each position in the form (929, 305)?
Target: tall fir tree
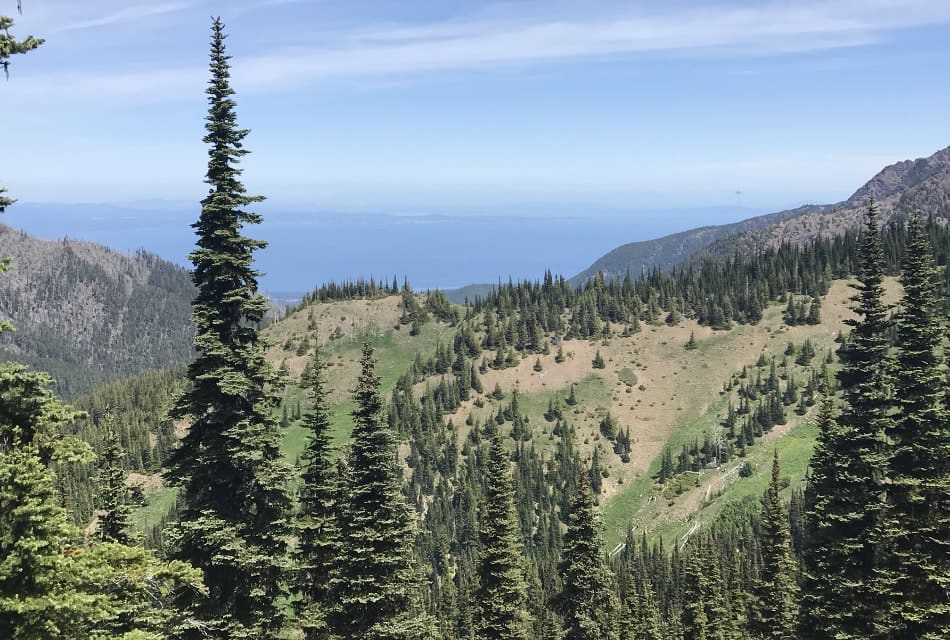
(114, 505)
(235, 515)
(375, 583)
(775, 608)
(588, 600)
(694, 621)
(847, 492)
(915, 571)
(502, 592)
(317, 532)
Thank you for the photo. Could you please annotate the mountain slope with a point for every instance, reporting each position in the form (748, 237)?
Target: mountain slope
(87, 314)
(921, 185)
(912, 186)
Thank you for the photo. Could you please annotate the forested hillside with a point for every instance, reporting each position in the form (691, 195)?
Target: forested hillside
(87, 314)
(919, 186)
(753, 445)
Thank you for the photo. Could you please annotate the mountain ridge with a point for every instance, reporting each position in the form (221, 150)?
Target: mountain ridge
(88, 314)
(920, 185)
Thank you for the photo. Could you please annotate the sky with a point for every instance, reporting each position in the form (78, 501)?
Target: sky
(428, 106)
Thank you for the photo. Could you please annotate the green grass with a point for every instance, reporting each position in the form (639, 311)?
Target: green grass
(156, 506)
(394, 352)
(621, 509)
(627, 376)
(720, 339)
(794, 450)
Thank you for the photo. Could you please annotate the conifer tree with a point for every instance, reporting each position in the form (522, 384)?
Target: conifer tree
(317, 531)
(113, 504)
(691, 343)
(571, 397)
(846, 492)
(737, 618)
(641, 618)
(234, 522)
(776, 590)
(10, 46)
(693, 618)
(595, 473)
(587, 601)
(598, 361)
(502, 593)
(50, 587)
(916, 555)
(374, 582)
(36, 597)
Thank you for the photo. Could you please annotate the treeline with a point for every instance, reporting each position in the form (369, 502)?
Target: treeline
(714, 292)
(359, 289)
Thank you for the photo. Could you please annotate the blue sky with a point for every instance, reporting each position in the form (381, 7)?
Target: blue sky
(442, 105)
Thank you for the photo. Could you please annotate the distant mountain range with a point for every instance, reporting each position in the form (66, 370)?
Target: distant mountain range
(921, 185)
(88, 314)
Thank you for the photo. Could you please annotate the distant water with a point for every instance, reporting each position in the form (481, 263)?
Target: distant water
(431, 251)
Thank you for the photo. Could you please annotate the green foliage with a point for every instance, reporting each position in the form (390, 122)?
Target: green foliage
(234, 522)
(775, 605)
(587, 602)
(50, 585)
(691, 343)
(318, 533)
(440, 307)
(914, 570)
(598, 361)
(10, 46)
(374, 582)
(502, 589)
(845, 493)
(114, 508)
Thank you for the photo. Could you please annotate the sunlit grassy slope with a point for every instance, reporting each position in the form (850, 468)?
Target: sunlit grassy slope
(665, 394)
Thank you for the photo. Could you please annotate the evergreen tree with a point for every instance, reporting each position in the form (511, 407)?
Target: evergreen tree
(587, 601)
(916, 566)
(317, 531)
(374, 581)
(50, 587)
(846, 492)
(10, 46)
(572, 397)
(234, 522)
(691, 343)
(114, 507)
(776, 589)
(596, 473)
(598, 361)
(693, 618)
(502, 592)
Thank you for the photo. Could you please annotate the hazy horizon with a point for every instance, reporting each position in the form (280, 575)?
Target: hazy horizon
(434, 250)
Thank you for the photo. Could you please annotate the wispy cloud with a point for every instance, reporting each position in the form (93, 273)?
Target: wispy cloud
(127, 14)
(774, 28)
